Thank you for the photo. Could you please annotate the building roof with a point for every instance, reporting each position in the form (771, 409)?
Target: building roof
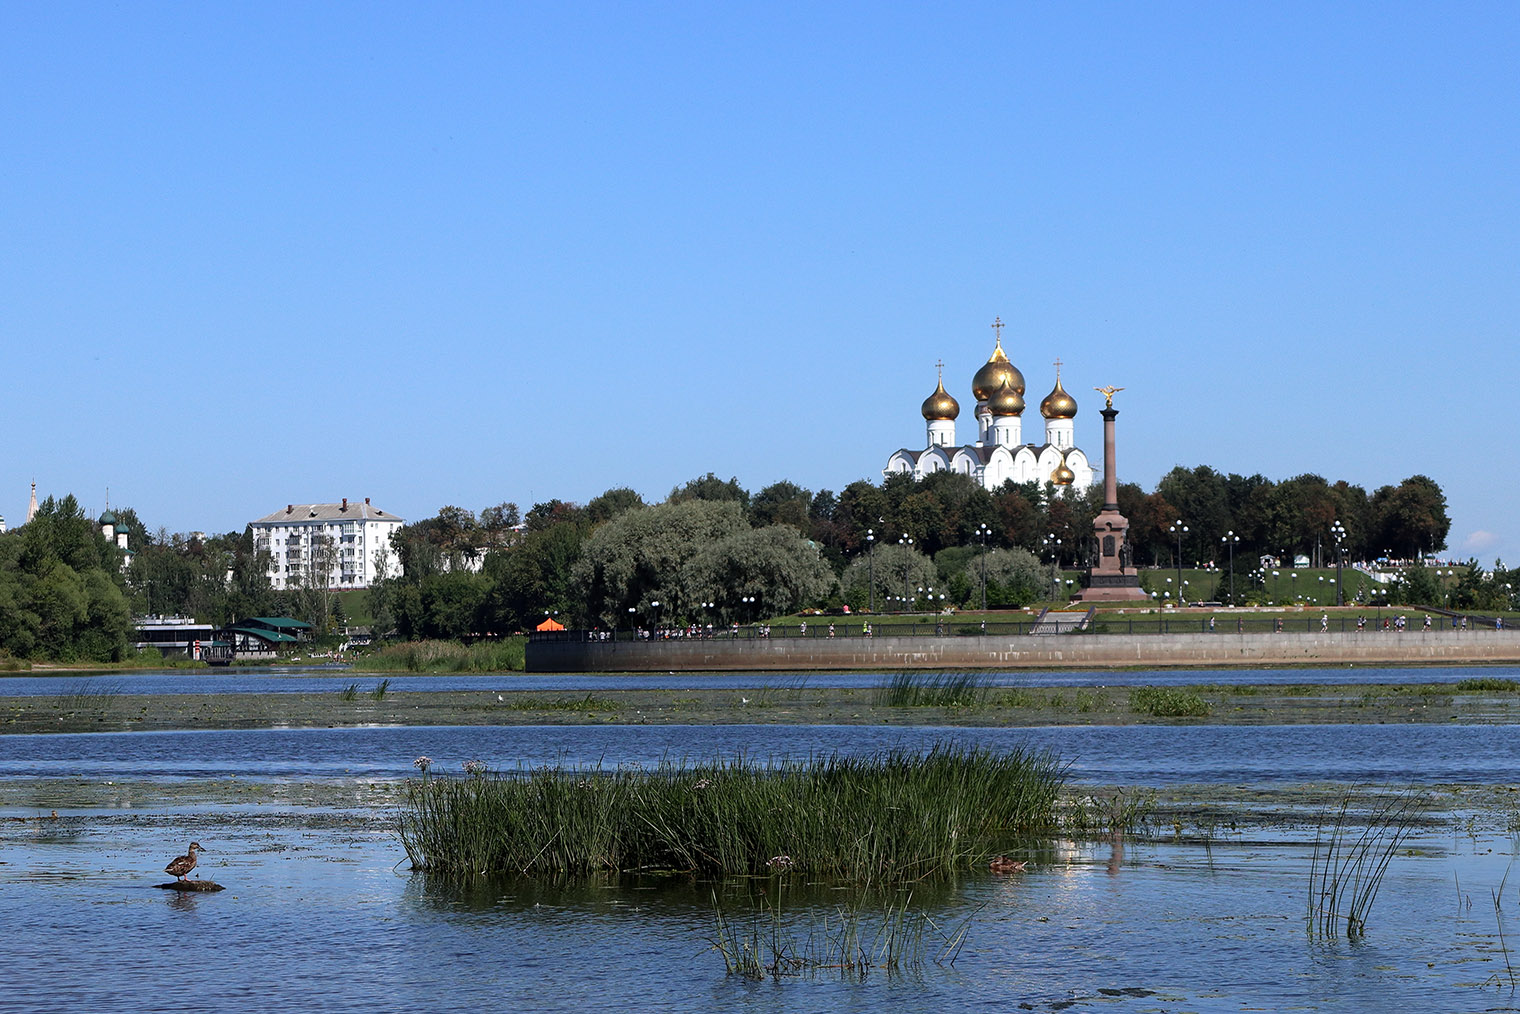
(272, 636)
(302, 513)
(279, 622)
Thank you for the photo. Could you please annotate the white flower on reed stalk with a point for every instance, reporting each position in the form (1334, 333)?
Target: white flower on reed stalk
(422, 764)
(703, 784)
(780, 863)
(474, 767)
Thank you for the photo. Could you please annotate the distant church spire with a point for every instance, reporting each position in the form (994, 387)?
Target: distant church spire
(31, 508)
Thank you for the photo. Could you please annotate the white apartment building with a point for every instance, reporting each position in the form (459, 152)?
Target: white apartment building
(339, 538)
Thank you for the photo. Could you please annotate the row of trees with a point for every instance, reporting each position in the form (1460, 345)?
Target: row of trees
(714, 552)
(62, 593)
(710, 552)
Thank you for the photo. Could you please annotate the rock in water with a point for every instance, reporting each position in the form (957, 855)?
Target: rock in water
(191, 885)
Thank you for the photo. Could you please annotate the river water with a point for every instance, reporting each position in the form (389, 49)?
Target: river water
(321, 912)
(329, 678)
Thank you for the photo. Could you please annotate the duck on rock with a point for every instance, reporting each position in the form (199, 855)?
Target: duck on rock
(181, 865)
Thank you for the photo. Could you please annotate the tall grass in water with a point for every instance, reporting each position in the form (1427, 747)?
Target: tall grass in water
(848, 941)
(506, 655)
(947, 690)
(891, 817)
(1349, 862)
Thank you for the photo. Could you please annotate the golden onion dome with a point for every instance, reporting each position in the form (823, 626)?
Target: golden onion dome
(992, 374)
(1005, 400)
(1063, 476)
(940, 405)
(1058, 404)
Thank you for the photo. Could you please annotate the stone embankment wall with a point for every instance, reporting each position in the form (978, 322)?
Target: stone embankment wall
(1002, 652)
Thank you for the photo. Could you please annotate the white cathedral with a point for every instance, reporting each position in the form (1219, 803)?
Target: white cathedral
(1000, 453)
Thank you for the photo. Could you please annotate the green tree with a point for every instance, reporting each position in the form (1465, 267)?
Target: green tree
(613, 502)
(1016, 578)
(710, 487)
(1410, 518)
(451, 604)
(782, 503)
(636, 558)
(534, 579)
(778, 568)
(899, 571)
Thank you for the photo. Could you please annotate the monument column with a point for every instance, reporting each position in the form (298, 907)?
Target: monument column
(1110, 469)
(1111, 578)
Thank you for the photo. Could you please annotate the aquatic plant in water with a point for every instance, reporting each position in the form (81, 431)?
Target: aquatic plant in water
(892, 817)
(1350, 860)
(848, 940)
(1168, 702)
(940, 690)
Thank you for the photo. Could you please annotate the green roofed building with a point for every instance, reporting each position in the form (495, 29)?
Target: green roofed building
(264, 636)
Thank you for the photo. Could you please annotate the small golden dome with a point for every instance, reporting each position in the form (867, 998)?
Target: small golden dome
(1058, 404)
(1063, 476)
(940, 405)
(992, 374)
(1005, 400)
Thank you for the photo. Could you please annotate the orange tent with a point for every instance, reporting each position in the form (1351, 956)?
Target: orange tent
(549, 624)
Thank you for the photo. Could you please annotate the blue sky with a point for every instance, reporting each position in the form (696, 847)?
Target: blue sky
(264, 253)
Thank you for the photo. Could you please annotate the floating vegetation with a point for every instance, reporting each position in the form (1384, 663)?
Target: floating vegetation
(847, 941)
(942, 690)
(1479, 684)
(1349, 862)
(590, 702)
(892, 817)
(1168, 702)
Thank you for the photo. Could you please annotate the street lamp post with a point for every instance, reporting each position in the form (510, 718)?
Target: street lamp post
(982, 531)
(1053, 544)
(871, 553)
(1179, 529)
(1338, 531)
(907, 543)
(633, 627)
(1230, 539)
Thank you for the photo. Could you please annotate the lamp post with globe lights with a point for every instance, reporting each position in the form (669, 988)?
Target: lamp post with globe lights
(982, 531)
(1179, 529)
(1230, 539)
(871, 554)
(907, 543)
(1338, 532)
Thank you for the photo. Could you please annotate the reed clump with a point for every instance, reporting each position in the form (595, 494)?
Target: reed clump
(1168, 702)
(849, 941)
(1350, 860)
(505, 655)
(891, 817)
(1481, 684)
(935, 690)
